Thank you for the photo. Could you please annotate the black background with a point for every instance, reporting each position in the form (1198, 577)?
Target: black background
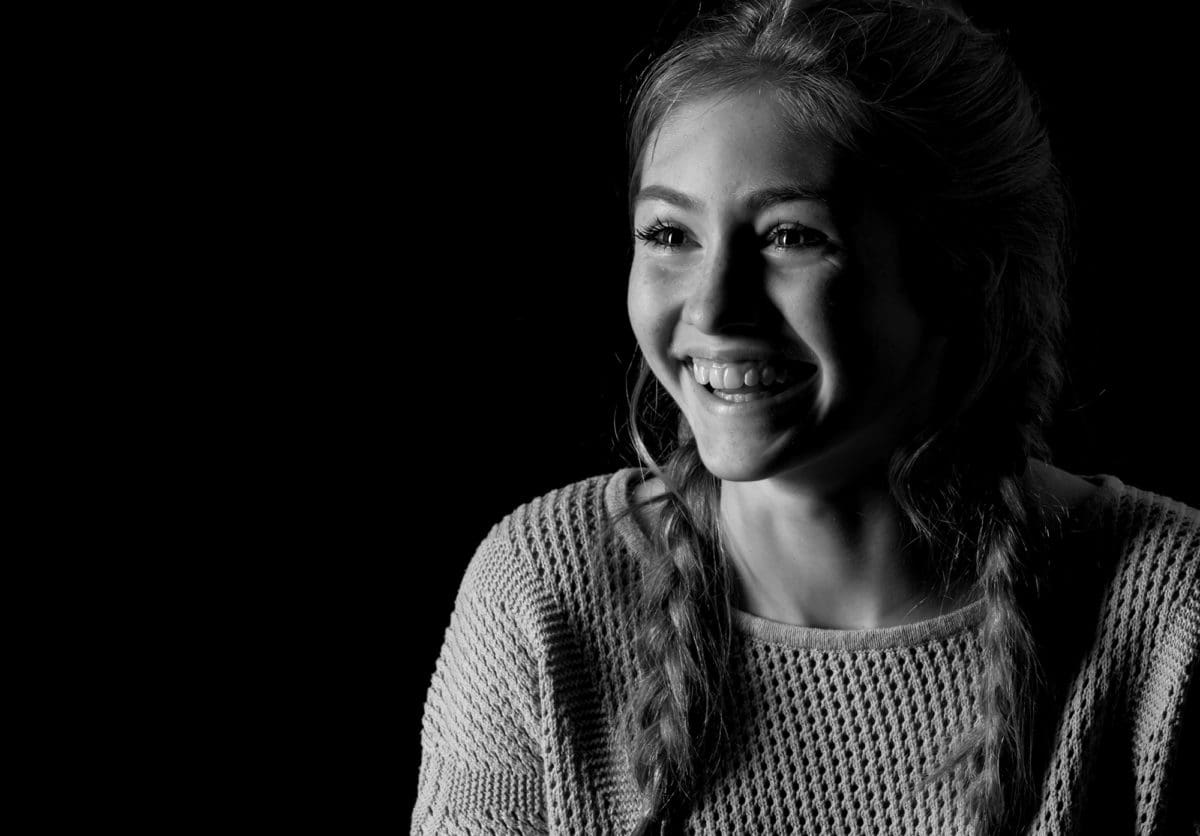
(510, 340)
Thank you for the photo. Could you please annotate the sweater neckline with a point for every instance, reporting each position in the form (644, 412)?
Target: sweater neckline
(618, 496)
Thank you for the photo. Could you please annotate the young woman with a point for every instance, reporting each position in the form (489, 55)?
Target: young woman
(844, 593)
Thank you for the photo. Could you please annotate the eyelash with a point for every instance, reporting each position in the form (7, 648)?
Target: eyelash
(650, 234)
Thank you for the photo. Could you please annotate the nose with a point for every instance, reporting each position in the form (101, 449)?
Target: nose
(726, 292)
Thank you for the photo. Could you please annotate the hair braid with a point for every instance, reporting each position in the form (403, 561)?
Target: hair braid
(677, 728)
(1001, 784)
(1004, 524)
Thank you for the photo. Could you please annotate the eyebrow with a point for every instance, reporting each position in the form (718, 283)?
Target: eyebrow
(764, 198)
(667, 195)
(757, 200)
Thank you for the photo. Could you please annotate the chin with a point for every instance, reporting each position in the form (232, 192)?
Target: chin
(742, 464)
(830, 466)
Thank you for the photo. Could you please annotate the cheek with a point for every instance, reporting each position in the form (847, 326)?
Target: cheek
(652, 315)
(813, 311)
(649, 312)
(853, 327)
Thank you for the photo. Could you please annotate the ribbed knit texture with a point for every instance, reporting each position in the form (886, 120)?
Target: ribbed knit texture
(835, 729)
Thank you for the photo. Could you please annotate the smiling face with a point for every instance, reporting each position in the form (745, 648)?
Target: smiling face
(756, 269)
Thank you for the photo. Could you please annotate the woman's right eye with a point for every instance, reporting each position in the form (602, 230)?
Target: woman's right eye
(663, 235)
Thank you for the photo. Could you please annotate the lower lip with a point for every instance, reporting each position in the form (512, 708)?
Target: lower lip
(720, 406)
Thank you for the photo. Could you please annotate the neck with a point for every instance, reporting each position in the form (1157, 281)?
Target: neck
(833, 558)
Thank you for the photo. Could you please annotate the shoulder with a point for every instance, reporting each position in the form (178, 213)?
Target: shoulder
(1159, 575)
(567, 520)
(1140, 529)
(1146, 548)
(568, 547)
(1129, 557)
(1157, 536)
(1126, 606)
(1155, 617)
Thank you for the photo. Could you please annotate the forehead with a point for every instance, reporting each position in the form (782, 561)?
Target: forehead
(727, 145)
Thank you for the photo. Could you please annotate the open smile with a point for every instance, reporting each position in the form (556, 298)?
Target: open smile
(751, 399)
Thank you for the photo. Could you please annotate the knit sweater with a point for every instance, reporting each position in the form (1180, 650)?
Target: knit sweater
(834, 729)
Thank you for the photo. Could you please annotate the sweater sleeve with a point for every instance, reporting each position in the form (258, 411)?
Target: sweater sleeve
(481, 757)
(1179, 719)
(1165, 707)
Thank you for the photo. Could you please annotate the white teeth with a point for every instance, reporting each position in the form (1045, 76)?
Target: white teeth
(720, 375)
(726, 380)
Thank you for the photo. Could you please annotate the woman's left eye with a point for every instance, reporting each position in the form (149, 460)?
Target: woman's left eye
(794, 236)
